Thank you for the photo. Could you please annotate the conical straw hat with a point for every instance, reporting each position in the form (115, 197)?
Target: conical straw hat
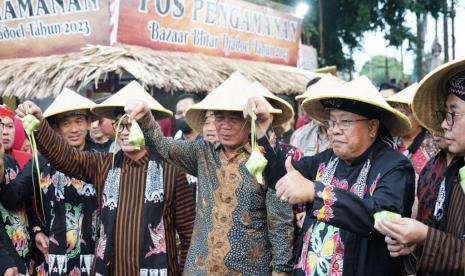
(231, 95)
(432, 94)
(362, 90)
(405, 96)
(326, 83)
(114, 105)
(67, 101)
(276, 102)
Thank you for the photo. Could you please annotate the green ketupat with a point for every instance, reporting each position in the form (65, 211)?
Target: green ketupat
(257, 162)
(30, 124)
(136, 137)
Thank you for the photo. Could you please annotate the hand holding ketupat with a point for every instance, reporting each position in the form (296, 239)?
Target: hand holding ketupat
(137, 110)
(405, 230)
(29, 107)
(260, 108)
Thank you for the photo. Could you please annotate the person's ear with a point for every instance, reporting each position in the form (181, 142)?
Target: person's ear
(373, 128)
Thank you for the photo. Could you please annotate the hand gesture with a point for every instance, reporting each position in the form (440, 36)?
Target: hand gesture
(12, 271)
(294, 187)
(42, 243)
(397, 249)
(29, 107)
(136, 109)
(260, 108)
(406, 231)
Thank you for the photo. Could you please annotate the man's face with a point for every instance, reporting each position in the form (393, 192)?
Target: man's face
(123, 136)
(95, 131)
(74, 129)
(209, 129)
(8, 136)
(352, 134)
(232, 129)
(454, 134)
(106, 127)
(181, 107)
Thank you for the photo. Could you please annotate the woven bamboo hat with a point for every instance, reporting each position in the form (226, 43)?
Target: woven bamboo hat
(276, 102)
(326, 83)
(432, 94)
(68, 101)
(231, 95)
(359, 90)
(114, 105)
(405, 96)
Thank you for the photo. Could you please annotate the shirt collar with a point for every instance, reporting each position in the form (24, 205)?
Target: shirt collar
(364, 156)
(245, 148)
(139, 162)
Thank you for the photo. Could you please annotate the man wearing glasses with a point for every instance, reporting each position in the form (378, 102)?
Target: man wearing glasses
(65, 223)
(345, 186)
(439, 241)
(144, 202)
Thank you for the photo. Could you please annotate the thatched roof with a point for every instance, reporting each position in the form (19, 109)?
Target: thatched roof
(170, 71)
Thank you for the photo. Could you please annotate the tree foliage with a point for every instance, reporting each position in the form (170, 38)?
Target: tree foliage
(346, 21)
(375, 69)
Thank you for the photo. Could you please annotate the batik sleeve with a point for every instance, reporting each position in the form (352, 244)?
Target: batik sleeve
(346, 210)
(281, 225)
(85, 166)
(180, 153)
(442, 254)
(184, 214)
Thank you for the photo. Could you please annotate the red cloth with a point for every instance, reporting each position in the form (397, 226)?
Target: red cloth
(20, 135)
(21, 157)
(165, 125)
(6, 111)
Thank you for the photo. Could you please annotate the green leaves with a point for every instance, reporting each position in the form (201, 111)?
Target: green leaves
(30, 124)
(385, 215)
(136, 137)
(256, 164)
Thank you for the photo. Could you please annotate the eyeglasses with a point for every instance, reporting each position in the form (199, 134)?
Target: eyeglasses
(448, 116)
(342, 124)
(121, 127)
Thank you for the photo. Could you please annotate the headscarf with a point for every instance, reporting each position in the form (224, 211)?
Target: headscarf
(20, 134)
(6, 111)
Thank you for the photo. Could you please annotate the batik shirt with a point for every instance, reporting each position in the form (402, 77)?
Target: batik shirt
(422, 154)
(429, 183)
(14, 226)
(340, 238)
(144, 204)
(241, 228)
(68, 214)
(443, 251)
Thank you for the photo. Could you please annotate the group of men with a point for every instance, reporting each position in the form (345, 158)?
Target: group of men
(191, 206)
